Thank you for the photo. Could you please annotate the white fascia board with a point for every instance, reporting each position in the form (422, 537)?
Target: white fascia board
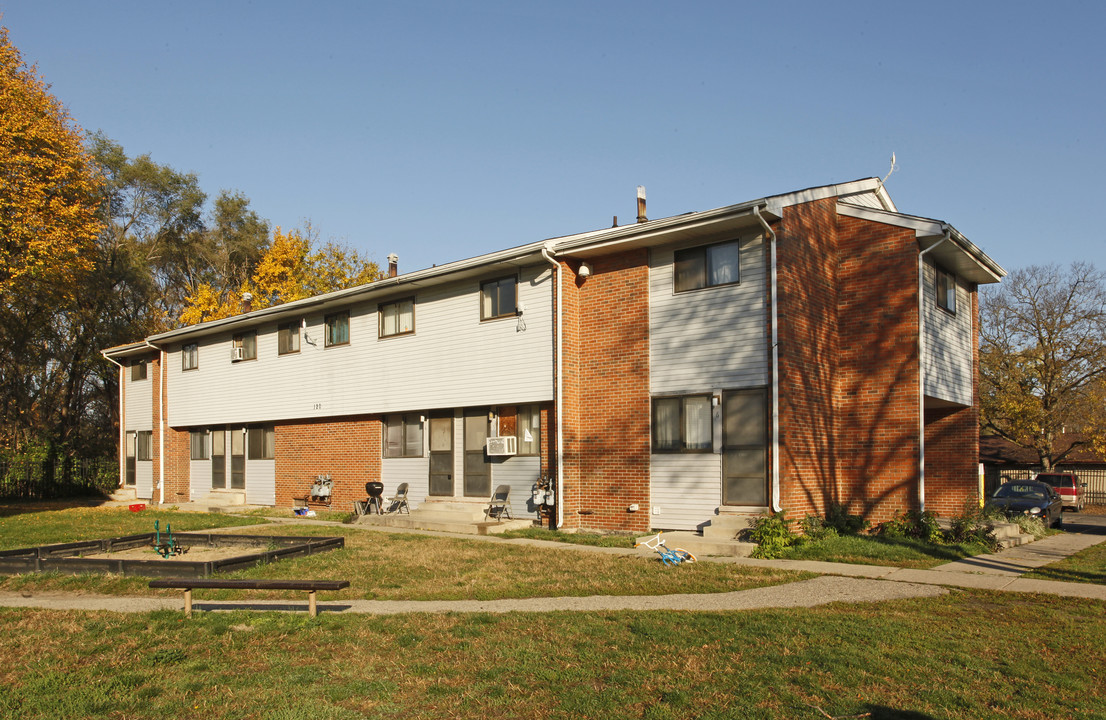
(983, 270)
(776, 203)
(130, 350)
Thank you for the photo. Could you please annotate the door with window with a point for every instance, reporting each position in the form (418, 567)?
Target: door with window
(237, 459)
(441, 454)
(745, 447)
(478, 474)
(132, 468)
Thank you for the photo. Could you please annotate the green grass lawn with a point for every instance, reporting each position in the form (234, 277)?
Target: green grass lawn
(397, 566)
(967, 655)
(31, 525)
(876, 550)
(1087, 566)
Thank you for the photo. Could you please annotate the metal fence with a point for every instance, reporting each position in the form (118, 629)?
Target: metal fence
(1095, 477)
(50, 479)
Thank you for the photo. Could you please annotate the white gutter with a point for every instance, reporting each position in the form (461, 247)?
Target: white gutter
(775, 369)
(164, 386)
(921, 373)
(122, 417)
(559, 386)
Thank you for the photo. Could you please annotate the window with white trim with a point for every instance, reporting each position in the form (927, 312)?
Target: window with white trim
(200, 445)
(244, 346)
(498, 298)
(261, 443)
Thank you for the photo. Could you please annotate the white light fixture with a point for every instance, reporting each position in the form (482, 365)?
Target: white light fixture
(585, 270)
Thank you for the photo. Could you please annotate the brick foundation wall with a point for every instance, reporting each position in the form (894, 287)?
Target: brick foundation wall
(347, 448)
(607, 395)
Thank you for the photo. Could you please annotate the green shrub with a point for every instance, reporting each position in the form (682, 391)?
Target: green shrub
(913, 524)
(839, 518)
(816, 528)
(772, 534)
(972, 525)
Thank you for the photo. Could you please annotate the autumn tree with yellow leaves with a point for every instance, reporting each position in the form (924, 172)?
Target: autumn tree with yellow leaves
(292, 268)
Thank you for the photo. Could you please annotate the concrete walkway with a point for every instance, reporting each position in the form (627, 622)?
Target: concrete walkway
(837, 582)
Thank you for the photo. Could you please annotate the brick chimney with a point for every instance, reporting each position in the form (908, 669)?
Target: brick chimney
(393, 265)
(247, 302)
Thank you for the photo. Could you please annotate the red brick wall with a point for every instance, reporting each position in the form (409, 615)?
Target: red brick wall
(347, 448)
(806, 258)
(848, 319)
(878, 373)
(607, 394)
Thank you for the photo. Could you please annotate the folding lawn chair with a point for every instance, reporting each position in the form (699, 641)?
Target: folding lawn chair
(499, 504)
(398, 502)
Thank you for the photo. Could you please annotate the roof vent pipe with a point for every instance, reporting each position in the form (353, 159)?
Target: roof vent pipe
(393, 265)
(641, 204)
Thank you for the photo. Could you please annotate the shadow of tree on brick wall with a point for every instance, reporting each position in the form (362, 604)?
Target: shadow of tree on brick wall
(849, 383)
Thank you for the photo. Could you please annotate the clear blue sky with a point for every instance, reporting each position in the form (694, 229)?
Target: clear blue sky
(443, 130)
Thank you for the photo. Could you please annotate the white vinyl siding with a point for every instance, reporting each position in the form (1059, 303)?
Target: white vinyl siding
(453, 360)
(685, 488)
(948, 343)
(199, 479)
(710, 338)
(139, 417)
(413, 471)
(260, 482)
(144, 479)
(520, 472)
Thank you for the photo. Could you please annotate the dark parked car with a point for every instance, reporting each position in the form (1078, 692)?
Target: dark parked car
(1035, 499)
(1071, 490)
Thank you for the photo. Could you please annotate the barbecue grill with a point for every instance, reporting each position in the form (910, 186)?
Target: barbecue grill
(374, 490)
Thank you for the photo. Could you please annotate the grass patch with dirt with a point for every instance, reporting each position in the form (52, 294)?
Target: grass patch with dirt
(29, 526)
(967, 655)
(875, 550)
(1086, 566)
(408, 566)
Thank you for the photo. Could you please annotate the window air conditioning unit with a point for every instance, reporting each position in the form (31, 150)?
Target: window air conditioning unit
(237, 354)
(507, 445)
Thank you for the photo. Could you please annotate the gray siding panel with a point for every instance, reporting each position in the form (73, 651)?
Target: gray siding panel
(520, 473)
(709, 338)
(199, 479)
(413, 471)
(948, 343)
(260, 482)
(144, 479)
(686, 488)
(139, 401)
(452, 360)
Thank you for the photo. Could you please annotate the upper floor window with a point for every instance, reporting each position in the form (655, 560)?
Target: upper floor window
(138, 369)
(682, 424)
(707, 266)
(190, 357)
(397, 318)
(288, 338)
(261, 443)
(244, 346)
(403, 435)
(497, 298)
(946, 290)
(337, 328)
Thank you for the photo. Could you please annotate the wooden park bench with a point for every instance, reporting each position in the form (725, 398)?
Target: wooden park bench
(311, 586)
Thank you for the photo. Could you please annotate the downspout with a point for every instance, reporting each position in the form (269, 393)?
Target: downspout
(122, 416)
(921, 376)
(160, 420)
(558, 388)
(775, 367)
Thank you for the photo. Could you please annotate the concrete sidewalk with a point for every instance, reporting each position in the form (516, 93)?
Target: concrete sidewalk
(837, 582)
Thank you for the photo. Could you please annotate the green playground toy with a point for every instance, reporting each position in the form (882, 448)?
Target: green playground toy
(166, 546)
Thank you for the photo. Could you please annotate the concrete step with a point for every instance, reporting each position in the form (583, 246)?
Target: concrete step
(124, 494)
(728, 526)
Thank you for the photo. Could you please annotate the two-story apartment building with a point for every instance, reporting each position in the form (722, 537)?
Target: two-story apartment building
(788, 352)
